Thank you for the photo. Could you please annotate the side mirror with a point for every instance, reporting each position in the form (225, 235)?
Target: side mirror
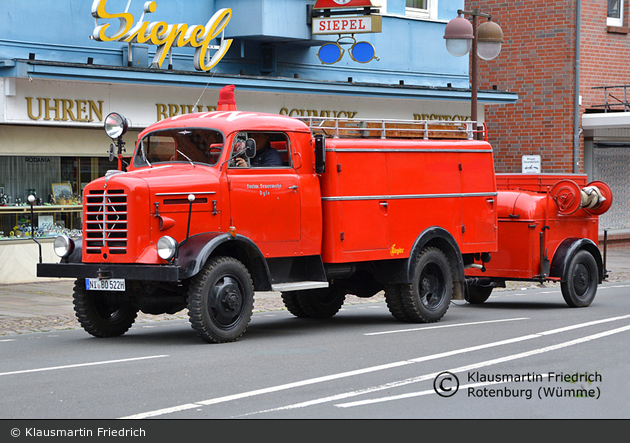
(320, 154)
(250, 148)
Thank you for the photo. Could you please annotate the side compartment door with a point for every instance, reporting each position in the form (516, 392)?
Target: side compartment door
(479, 200)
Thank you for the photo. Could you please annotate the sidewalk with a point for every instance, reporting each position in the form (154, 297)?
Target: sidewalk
(47, 306)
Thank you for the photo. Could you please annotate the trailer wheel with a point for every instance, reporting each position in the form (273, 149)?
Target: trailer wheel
(105, 314)
(478, 294)
(221, 300)
(428, 297)
(321, 303)
(394, 302)
(291, 303)
(579, 284)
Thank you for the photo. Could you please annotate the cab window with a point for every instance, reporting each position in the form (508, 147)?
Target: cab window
(179, 145)
(272, 150)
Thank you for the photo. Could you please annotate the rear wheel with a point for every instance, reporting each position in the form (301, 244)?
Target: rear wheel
(394, 302)
(290, 301)
(428, 297)
(103, 313)
(478, 294)
(221, 300)
(579, 284)
(320, 303)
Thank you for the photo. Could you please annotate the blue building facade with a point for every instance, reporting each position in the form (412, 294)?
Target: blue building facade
(65, 64)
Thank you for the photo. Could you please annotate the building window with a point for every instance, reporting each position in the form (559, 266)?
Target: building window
(421, 9)
(615, 13)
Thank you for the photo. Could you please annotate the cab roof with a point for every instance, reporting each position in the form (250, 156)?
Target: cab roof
(231, 121)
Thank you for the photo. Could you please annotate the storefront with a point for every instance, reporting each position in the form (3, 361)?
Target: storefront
(57, 86)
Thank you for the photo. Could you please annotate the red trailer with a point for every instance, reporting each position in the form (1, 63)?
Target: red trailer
(548, 231)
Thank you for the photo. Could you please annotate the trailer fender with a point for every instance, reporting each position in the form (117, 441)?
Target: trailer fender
(567, 249)
(442, 239)
(195, 251)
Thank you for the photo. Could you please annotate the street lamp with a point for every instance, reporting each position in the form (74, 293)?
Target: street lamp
(482, 41)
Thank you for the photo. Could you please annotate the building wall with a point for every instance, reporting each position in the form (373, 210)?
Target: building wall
(604, 53)
(536, 62)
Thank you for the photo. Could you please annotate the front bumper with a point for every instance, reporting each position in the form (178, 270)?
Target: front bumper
(163, 273)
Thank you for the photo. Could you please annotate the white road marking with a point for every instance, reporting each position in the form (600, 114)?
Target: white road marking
(283, 387)
(432, 375)
(483, 364)
(80, 365)
(444, 326)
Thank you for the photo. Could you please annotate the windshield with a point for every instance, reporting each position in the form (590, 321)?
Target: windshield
(179, 145)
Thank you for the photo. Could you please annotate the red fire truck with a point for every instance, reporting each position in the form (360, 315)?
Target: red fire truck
(215, 206)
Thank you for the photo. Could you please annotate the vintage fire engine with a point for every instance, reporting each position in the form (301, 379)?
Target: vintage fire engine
(347, 207)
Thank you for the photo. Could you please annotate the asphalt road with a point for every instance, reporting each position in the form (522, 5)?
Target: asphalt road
(362, 363)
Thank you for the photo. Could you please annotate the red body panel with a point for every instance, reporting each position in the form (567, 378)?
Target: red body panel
(380, 195)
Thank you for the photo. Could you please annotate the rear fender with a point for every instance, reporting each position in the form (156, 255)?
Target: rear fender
(194, 253)
(567, 249)
(443, 240)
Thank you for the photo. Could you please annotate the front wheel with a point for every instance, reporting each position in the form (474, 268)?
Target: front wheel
(221, 300)
(429, 295)
(579, 284)
(101, 313)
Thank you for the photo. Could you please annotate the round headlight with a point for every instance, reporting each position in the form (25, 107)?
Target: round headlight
(63, 246)
(115, 125)
(166, 247)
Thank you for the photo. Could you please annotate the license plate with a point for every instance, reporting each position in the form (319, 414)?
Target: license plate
(110, 284)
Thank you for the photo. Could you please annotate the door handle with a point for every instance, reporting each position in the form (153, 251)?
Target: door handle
(294, 187)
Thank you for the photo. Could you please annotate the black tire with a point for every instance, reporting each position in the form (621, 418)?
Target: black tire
(428, 297)
(395, 304)
(221, 300)
(579, 284)
(102, 314)
(478, 294)
(321, 303)
(290, 301)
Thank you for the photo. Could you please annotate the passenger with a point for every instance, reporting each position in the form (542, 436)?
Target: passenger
(265, 154)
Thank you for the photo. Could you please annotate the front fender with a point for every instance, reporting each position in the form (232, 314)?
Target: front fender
(194, 252)
(567, 249)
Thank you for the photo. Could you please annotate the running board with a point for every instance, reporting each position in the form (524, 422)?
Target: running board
(299, 286)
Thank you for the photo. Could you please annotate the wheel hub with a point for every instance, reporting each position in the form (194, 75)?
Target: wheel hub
(231, 301)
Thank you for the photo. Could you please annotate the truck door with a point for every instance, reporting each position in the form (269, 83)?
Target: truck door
(265, 202)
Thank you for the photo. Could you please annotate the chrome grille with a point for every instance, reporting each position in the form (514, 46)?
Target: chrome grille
(106, 222)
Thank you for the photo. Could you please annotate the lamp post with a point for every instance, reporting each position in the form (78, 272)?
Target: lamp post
(482, 41)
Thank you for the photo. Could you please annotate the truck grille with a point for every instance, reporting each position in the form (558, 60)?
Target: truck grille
(105, 222)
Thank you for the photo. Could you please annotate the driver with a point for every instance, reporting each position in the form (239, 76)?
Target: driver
(265, 154)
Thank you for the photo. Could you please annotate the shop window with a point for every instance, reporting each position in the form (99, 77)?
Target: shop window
(615, 13)
(57, 184)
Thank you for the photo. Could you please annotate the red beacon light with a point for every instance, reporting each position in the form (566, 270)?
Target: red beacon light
(226, 102)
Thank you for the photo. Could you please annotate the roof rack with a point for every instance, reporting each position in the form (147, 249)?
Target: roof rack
(390, 128)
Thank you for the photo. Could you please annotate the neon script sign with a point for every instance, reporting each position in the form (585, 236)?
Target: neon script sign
(163, 35)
